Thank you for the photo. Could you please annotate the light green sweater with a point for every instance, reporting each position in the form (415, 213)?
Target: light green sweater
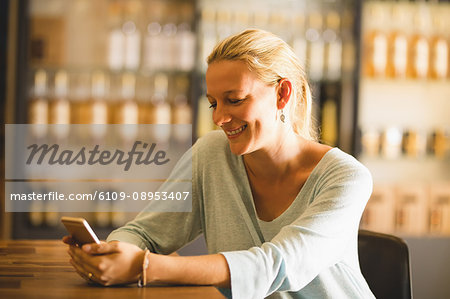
(310, 251)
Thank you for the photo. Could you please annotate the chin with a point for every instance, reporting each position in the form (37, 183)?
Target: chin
(238, 149)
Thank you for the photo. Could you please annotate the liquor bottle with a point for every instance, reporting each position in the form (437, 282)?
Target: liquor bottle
(298, 38)
(98, 106)
(397, 42)
(116, 37)
(208, 37)
(181, 110)
(38, 104)
(375, 41)
(439, 55)
(126, 112)
(185, 46)
(419, 49)
(333, 46)
(315, 46)
(132, 35)
(161, 110)
(59, 106)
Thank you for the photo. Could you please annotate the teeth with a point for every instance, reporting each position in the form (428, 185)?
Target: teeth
(234, 132)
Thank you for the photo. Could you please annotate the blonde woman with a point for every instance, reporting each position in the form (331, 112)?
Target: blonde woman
(279, 211)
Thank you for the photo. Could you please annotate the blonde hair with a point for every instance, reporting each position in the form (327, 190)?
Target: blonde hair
(272, 60)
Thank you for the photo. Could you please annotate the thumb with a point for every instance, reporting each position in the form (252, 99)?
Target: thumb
(102, 248)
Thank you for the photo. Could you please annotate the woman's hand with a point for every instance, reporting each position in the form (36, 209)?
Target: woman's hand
(106, 263)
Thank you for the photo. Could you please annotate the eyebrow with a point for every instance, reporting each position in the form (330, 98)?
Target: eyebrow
(227, 92)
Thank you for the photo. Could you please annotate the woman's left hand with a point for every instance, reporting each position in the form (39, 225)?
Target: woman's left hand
(108, 263)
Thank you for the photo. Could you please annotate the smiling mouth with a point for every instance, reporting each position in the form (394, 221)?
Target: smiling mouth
(237, 131)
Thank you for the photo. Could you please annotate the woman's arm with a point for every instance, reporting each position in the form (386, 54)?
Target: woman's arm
(199, 270)
(120, 263)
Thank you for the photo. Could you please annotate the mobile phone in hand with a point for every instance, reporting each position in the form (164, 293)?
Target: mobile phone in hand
(80, 230)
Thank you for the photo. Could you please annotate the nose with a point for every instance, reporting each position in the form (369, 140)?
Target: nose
(221, 115)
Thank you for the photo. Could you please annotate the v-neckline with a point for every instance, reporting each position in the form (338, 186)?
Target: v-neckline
(305, 186)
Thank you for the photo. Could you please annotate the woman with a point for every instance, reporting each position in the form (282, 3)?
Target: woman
(279, 211)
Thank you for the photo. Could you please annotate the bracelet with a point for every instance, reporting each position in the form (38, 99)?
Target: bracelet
(145, 263)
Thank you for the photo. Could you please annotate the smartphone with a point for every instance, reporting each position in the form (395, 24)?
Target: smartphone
(80, 230)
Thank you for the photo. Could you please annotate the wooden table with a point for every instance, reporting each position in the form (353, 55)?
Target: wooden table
(41, 269)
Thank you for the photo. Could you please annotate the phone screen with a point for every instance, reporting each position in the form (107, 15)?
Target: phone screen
(80, 230)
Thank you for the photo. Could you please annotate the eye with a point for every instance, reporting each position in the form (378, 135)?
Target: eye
(235, 101)
(213, 105)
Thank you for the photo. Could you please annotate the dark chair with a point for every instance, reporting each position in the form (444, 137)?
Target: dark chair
(384, 262)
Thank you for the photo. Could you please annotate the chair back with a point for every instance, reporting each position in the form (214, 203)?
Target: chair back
(384, 262)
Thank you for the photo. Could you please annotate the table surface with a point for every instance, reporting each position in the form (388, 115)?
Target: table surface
(41, 269)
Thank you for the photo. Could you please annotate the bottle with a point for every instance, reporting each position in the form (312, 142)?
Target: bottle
(127, 108)
(116, 37)
(38, 105)
(208, 37)
(329, 117)
(181, 110)
(161, 110)
(298, 38)
(333, 46)
(185, 47)
(132, 35)
(419, 49)
(375, 41)
(98, 106)
(397, 43)
(59, 107)
(315, 46)
(439, 56)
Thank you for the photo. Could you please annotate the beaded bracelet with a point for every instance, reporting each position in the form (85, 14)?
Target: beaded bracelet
(145, 263)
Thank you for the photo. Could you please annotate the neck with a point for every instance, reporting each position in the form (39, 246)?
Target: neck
(279, 160)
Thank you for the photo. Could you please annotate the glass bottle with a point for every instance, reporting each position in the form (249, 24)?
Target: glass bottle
(333, 46)
(397, 42)
(315, 46)
(116, 37)
(59, 106)
(439, 54)
(419, 49)
(375, 40)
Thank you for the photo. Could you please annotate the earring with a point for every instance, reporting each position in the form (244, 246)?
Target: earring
(282, 117)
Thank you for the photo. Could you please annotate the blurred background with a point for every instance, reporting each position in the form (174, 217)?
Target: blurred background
(379, 72)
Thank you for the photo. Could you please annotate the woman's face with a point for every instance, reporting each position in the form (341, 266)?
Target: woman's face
(243, 106)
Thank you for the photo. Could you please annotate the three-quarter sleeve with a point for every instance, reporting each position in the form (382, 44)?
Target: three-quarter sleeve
(166, 232)
(315, 241)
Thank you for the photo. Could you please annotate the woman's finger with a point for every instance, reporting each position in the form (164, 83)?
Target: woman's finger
(86, 263)
(90, 277)
(69, 240)
(101, 248)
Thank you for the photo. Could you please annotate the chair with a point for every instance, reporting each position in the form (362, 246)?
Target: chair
(384, 262)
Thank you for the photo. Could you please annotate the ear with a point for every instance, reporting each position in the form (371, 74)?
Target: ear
(284, 92)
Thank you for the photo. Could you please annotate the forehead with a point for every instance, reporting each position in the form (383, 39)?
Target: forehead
(226, 75)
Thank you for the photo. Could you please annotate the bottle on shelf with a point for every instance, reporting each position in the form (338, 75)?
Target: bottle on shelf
(333, 46)
(98, 105)
(397, 42)
(59, 106)
(181, 110)
(419, 46)
(375, 41)
(315, 46)
(439, 52)
(298, 38)
(208, 37)
(116, 37)
(161, 110)
(126, 111)
(38, 104)
(132, 35)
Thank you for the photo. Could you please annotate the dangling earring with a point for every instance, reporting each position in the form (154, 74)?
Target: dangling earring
(282, 117)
